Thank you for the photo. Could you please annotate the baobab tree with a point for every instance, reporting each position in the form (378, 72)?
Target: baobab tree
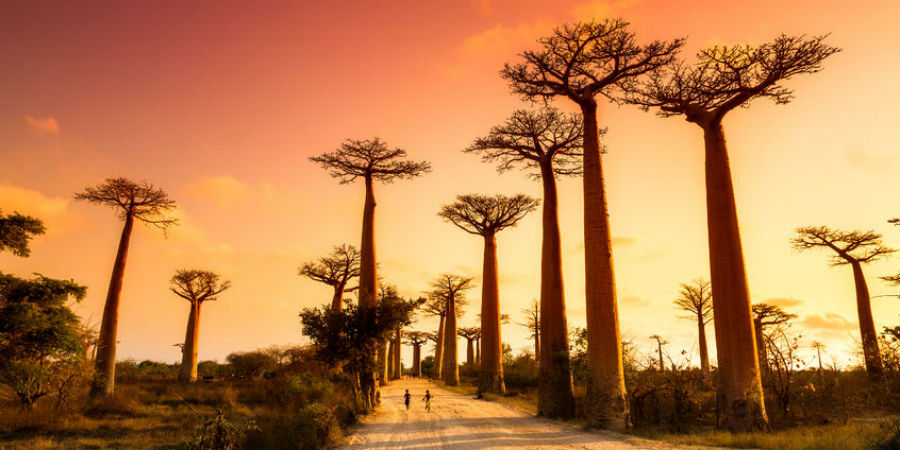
(16, 232)
(533, 323)
(133, 201)
(581, 61)
(197, 287)
(470, 334)
(696, 299)
(416, 339)
(724, 78)
(548, 143)
(853, 248)
(766, 316)
(485, 216)
(437, 306)
(335, 270)
(451, 290)
(396, 364)
(818, 346)
(659, 343)
(372, 160)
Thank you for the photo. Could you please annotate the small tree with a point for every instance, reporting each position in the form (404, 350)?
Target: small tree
(470, 334)
(416, 339)
(16, 232)
(533, 323)
(38, 333)
(197, 287)
(764, 317)
(485, 216)
(450, 289)
(724, 78)
(854, 248)
(580, 62)
(696, 299)
(141, 202)
(335, 270)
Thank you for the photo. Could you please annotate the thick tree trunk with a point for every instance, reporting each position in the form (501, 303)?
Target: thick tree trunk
(337, 301)
(417, 360)
(478, 352)
(874, 365)
(104, 380)
(450, 369)
(368, 286)
(391, 367)
(395, 356)
(762, 357)
(188, 370)
(470, 352)
(439, 350)
(606, 404)
(704, 352)
(383, 362)
(740, 395)
(491, 376)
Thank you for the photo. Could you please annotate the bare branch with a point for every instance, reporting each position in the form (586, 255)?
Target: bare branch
(143, 201)
(482, 214)
(198, 285)
(370, 158)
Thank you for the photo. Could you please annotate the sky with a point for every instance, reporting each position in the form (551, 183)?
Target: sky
(222, 103)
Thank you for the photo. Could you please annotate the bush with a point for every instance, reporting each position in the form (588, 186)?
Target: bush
(218, 433)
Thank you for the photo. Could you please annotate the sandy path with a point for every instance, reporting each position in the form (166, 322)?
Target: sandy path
(460, 422)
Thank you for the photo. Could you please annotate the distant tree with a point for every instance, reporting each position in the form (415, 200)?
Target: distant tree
(451, 290)
(533, 323)
(133, 201)
(254, 364)
(853, 248)
(437, 306)
(548, 143)
(197, 287)
(416, 339)
(470, 334)
(39, 334)
(894, 280)
(485, 216)
(724, 78)
(659, 343)
(764, 317)
(580, 62)
(818, 346)
(335, 270)
(696, 299)
(372, 160)
(16, 232)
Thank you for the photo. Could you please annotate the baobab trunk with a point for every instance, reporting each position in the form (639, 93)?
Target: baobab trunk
(491, 376)
(762, 355)
(384, 362)
(470, 353)
(478, 352)
(662, 364)
(740, 395)
(368, 287)
(391, 368)
(555, 382)
(439, 350)
(606, 404)
(874, 365)
(188, 370)
(537, 345)
(704, 352)
(417, 361)
(104, 380)
(450, 369)
(337, 301)
(398, 366)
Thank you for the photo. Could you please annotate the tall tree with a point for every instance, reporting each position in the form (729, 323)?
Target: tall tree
(766, 316)
(416, 339)
(396, 362)
(372, 160)
(548, 143)
(485, 216)
(133, 201)
(197, 287)
(470, 334)
(450, 290)
(696, 299)
(16, 232)
(533, 323)
(724, 78)
(335, 270)
(437, 306)
(853, 248)
(581, 61)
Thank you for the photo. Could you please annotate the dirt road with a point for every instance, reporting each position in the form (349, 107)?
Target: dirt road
(460, 422)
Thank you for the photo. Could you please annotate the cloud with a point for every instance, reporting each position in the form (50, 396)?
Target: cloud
(617, 241)
(634, 301)
(784, 302)
(829, 322)
(53, 211)
(44, 126)
(224, 191)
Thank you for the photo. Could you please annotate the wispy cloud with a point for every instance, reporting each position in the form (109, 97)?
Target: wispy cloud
(829, 322)
(223, 191)
(46, 125)
(784, 302)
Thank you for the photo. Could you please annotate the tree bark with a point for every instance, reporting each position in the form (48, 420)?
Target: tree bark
(391, 368)
(450, 369)
(478, 352)
(874, 364)
(368, 286)
(470, 352)
(606, 405)
(104, 380)
(662, 364)
(383, 362)
(762, 356)
(337, 301)
(491, 375)
(417, 360)
(188, 370)
(395, 356)
(439, 350)
(740, 395)
(704, 352)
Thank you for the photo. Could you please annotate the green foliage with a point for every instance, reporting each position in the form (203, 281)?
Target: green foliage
(16, 232)
(38, 332)
(253, 364)
(218, 433)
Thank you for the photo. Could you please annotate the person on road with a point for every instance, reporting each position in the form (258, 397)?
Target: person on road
(427, 399)
(406, 398)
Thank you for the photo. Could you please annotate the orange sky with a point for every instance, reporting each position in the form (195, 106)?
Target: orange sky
(221, 104)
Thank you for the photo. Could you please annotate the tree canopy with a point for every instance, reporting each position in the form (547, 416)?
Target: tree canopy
(372, 159)
(16, 232)
(198, 285)
(849, 246)
(336, 269)
(696, 298)
(484, 214)
(142, 201)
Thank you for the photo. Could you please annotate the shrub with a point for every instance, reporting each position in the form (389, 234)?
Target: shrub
(218, 433)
